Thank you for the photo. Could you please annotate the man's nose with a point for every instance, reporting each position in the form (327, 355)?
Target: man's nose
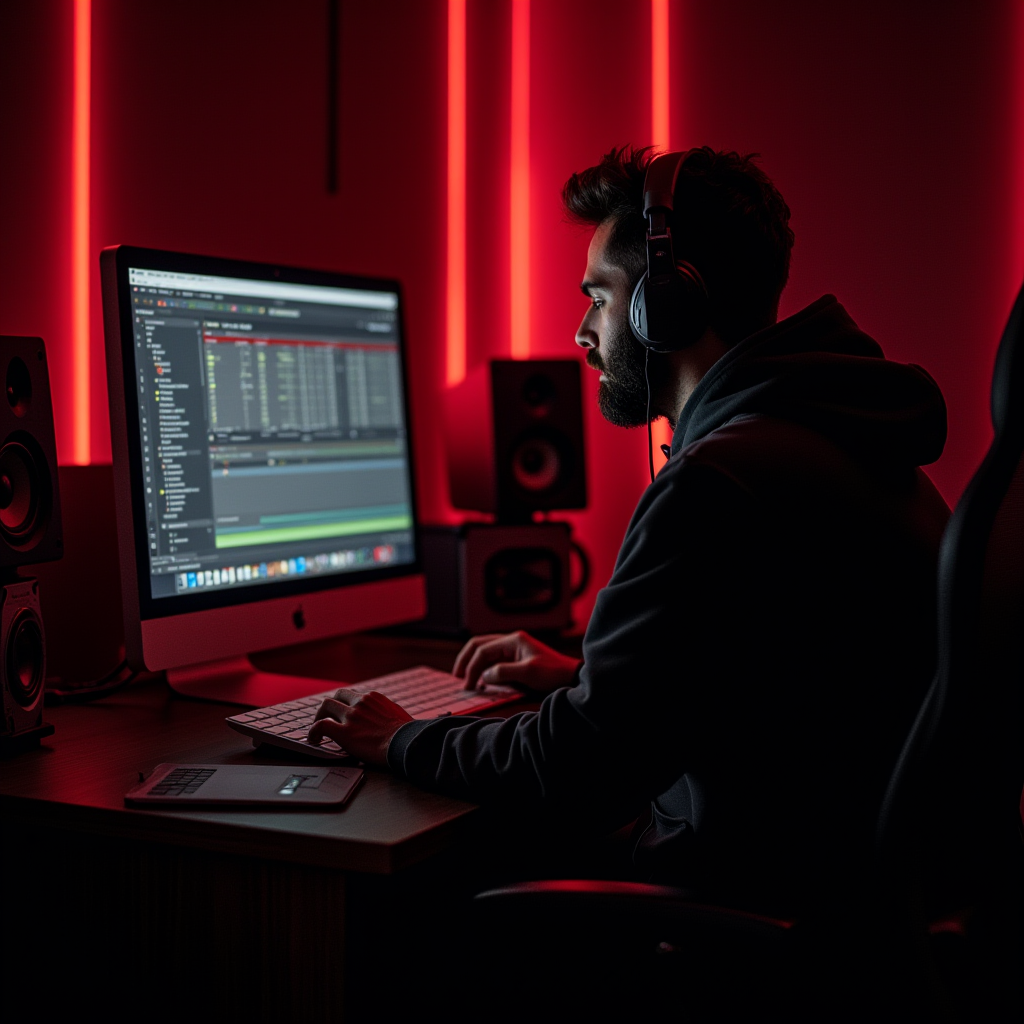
(585, 337)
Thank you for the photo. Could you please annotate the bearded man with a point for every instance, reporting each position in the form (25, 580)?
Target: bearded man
(758, 655)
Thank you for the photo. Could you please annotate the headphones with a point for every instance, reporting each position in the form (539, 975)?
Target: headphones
(669, 308)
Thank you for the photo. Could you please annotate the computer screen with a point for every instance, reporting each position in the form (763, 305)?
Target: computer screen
(261, 454)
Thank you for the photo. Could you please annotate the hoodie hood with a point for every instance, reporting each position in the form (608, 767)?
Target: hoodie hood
(819, 369)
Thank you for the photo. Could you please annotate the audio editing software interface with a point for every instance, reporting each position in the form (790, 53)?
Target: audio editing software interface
(272, 427)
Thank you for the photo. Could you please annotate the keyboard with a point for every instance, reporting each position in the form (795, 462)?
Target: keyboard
(423, 692)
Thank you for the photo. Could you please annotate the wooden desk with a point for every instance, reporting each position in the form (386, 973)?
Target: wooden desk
(220, 914)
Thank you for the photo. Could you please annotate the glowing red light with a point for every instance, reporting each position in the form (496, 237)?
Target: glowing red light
(455, 362)
(1017, 241)
(519, 186)
(660, 95)
(81, 446)
(661, 138)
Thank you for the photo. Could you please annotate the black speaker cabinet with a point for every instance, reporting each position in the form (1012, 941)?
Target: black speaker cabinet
(30, 531)
(514, 438)
(493, 578)
(30, 522)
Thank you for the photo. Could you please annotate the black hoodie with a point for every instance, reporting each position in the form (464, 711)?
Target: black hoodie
(757, 657)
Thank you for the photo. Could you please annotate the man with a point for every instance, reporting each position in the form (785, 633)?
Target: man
(758, 655)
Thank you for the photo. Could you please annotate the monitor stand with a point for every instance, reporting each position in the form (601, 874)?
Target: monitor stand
(238, 681)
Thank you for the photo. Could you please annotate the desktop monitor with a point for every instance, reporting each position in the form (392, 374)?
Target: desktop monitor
(262, 458)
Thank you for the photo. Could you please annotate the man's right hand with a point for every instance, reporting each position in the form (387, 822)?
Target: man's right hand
(514, 659)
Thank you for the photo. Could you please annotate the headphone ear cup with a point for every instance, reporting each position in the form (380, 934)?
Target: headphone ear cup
(669, 313)
(638, 311)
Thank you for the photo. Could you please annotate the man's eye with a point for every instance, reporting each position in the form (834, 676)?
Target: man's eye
(596, 303)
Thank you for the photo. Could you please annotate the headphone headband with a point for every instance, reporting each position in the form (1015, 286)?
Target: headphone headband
(660, 182)
(659, 186)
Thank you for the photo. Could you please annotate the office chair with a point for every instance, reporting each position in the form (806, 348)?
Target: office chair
(933, 931)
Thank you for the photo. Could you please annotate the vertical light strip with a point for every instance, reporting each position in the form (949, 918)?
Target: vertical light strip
(661, 139)
(1017, 198)
(519, 183)
(455, 361)
(81, 447)
(659, 75)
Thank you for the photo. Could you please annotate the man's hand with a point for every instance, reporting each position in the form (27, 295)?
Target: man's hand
(362, 723)
(514, 659)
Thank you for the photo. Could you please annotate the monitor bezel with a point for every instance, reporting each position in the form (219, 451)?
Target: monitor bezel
(126, 441)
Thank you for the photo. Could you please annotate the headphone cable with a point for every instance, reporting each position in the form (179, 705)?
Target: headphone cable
(650, 434)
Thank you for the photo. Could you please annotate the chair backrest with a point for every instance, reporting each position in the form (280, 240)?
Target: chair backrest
(954, 799)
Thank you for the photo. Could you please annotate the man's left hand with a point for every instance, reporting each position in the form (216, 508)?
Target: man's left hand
(362, 723)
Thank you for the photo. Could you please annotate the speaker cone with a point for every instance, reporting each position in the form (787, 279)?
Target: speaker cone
(21, 490)
(537, 464)
(26, 660)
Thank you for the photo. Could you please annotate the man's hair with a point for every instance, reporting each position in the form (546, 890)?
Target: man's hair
(728, 220)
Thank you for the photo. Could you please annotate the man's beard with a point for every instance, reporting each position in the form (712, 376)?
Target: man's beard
(622, 395)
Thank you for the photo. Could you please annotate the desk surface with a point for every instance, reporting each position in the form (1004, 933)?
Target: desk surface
(77, 778)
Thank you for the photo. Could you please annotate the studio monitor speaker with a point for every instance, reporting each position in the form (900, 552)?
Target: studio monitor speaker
(514, 438)
(30, 531)
(30, 523)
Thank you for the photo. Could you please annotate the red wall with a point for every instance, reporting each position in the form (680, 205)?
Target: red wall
(35, 186)
(890, 129)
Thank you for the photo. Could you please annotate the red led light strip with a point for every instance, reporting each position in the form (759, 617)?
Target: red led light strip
(81, 446)
(660, 138)
(519, 183)
(1017, 197)
(455, 361)
(659, 74)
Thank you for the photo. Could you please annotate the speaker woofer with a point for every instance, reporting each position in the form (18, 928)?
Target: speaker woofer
(26, 658)
(542, 461)
(23, 491)
(536, 464)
